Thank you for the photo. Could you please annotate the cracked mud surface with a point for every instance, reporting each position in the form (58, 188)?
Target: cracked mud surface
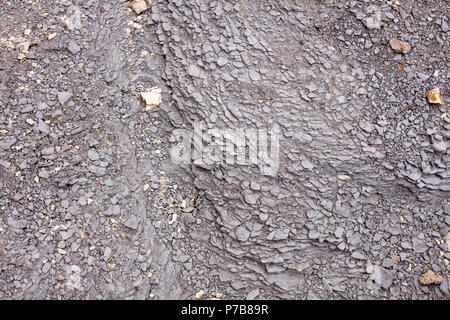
(93, 207)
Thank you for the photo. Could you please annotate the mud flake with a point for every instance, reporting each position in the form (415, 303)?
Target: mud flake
(152, 98)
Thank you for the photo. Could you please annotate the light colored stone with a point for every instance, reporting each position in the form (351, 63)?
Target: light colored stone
(434, 96)
(199, 294)
(152, 98)
(430, 277)
(374, 20)
(139, 6)
(400, 46)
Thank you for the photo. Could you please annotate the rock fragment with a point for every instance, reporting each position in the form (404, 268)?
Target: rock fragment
(313, 235)
(138, 6)
(252, 294)
(222, 61)
(250, 198)
(73, 47)
(434, 96)
(430, 277)
(18, 196)
(242, 233)
(400, 46)
(46, 268)
(152, 98)
(5, 144)
(74, 277)
(199, 294)
(380, 276)
(93, 155)
(43, 127)
(113, 210)
(440, 146)
(48, 153)
(419, 245)
(42, 106)
(194, 71)
(254, 75)
(374, 20)
(187, 218)
(447, 240)
(64, 97)
(132, 223)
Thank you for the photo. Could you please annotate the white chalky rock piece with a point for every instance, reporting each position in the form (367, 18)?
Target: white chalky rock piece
(152, 98)
(174, 218)
(139, 6)
(199, 294)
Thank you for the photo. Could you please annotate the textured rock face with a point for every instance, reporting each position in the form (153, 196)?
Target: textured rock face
(351, 199)
(234, 66)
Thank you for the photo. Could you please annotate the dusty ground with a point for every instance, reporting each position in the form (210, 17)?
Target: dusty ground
(93, 207)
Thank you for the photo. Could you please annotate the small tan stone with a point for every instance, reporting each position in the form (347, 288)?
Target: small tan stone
(434, 96)
(27, 32)
(199, 294)
(18, 196)
(400, 46)
(430, 277)
(447, 240)
(174, 218)
(139, 6)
